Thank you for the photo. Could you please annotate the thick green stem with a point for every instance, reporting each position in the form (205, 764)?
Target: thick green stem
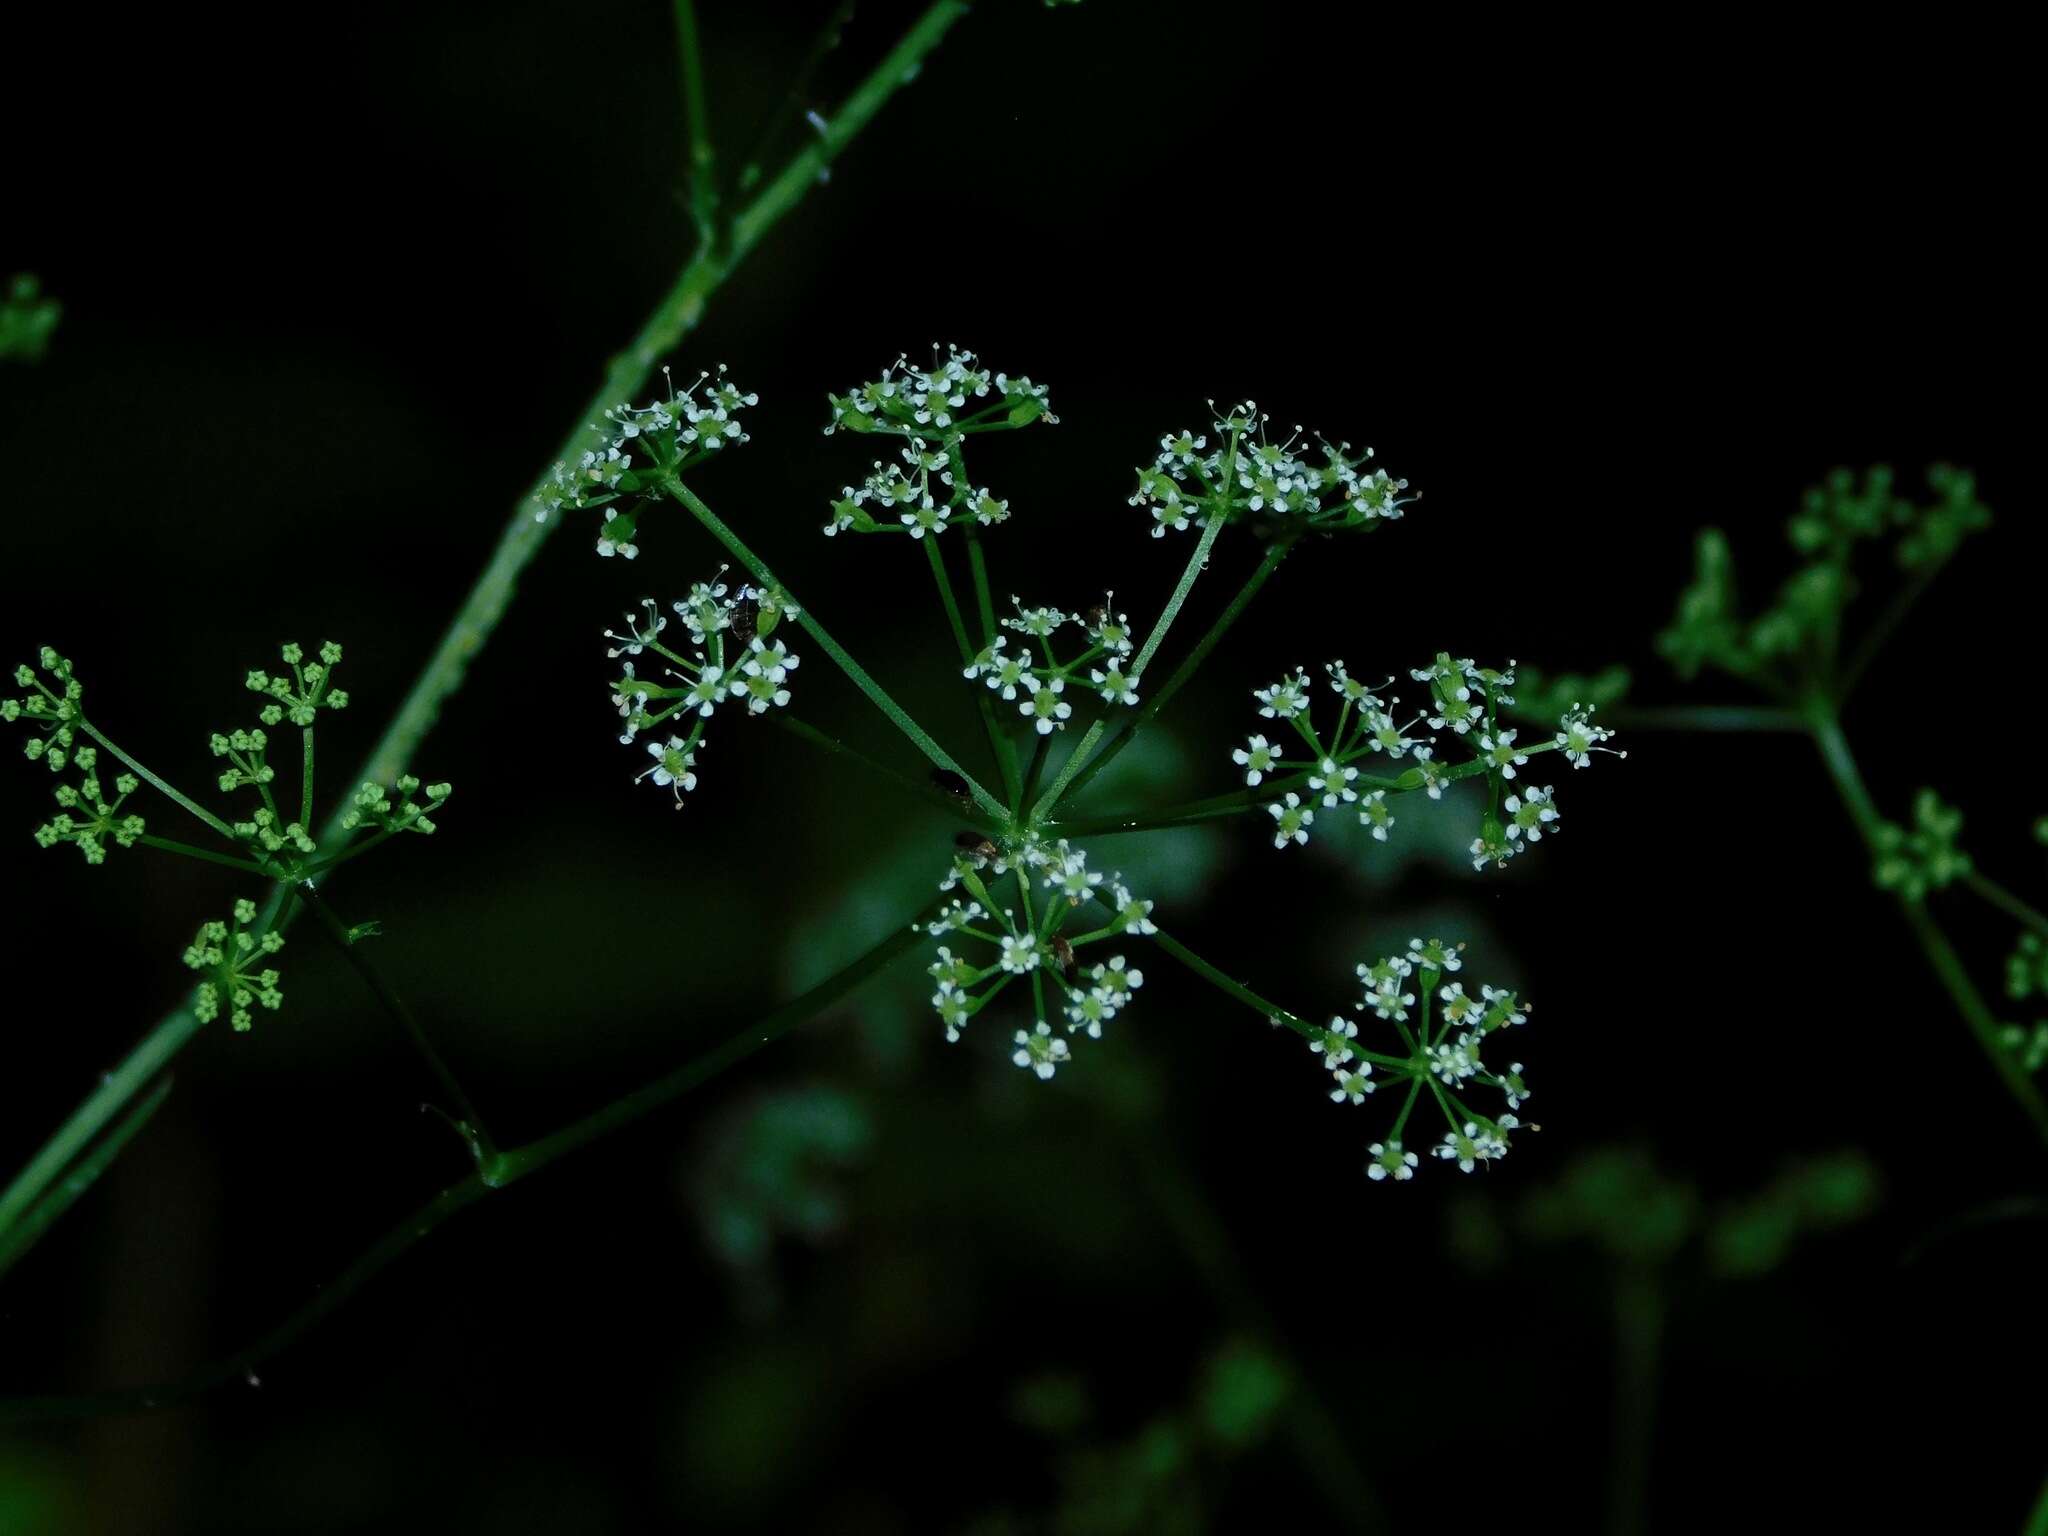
(469, 1124)
(62, 1195)
(855, 672)
(1076, 776)
(511, 1167)
(674, 317)
(697, 119)
(1934, 944)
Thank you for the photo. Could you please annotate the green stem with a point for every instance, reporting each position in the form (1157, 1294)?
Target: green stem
(999, 747)
(923, 789)
(1934, 943)
(161, 786)
(674, 317)
(306, 776)
(1072, 782)
(512, 1166)
(1031, 774)
(172, 845)
(60, 1197)
(470, 1124)
(855, 672)
(2012, 906)
(697, 118)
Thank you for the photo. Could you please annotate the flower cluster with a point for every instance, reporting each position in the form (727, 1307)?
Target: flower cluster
(953, 396)
(85, 817)
(1037, 683)
(907, 501)
(295, 699)
(1461, 709)
(641, 450)
(1835, 523)
(1924, 857)
(932, 410)
(1443, 1028)
(230, 960)
(300, 697)
(1028, 940)
(732, 657)
(373, 806)
(1236, 472)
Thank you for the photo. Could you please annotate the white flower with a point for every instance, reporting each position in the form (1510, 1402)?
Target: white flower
(1389, 1162)
(674, 766)
(1496, 851)
(1529, 813)
(926, 517)
(639, 632)
(1114, 687)
(1039, 1050)
(1383, 991)
(954, 915)
(1291, 820)
(1019, 953)
(990, 658)
(1502, 1008)
(1435, 955)
(1382, 734)
(1257, 757)
(1457, 1008)
(1285, 699)
(1500, 752)
(1068, 871)
(1046, 705)
(1008, 674)
(1334, 1043)
(1453, 1062)
(1134, 915)
(1350, 689)
(1087, 1012)
(1116, 981)
(955, 1008)
(1373, 812)
(1460, 1147)
(1353, 1084)
(1333, 782)
(1040, 622)
(1580, 738)
(1512, 1086)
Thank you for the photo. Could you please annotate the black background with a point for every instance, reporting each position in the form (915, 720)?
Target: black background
(332, 296)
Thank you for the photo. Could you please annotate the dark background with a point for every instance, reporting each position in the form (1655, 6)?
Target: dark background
(332, 296)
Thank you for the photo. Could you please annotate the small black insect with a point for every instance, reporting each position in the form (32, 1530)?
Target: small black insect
(1063, 952)
(948, 782)
(743, 614)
